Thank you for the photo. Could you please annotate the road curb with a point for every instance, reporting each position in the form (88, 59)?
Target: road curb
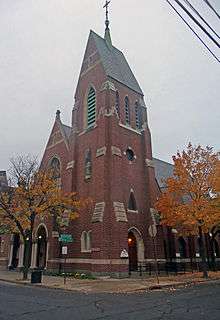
(136, 290)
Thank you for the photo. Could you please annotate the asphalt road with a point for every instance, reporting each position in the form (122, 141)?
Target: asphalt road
(24, 303)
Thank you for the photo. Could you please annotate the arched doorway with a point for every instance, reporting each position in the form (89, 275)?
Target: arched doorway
(15, 252)
(135, 248)
(182, 247)
(41, 247)
(216, 248)
(132, 251)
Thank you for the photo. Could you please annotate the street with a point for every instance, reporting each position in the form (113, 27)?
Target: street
(24, 303)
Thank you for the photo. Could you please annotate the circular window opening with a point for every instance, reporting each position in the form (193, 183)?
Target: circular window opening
(130, 154)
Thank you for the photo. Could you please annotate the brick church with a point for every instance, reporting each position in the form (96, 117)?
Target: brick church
(105, 154)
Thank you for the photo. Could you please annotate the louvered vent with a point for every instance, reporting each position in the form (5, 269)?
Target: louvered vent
(91, 103)
(127, 111)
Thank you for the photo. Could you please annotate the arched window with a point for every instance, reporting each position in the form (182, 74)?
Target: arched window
(138, 116)
(86, 241)
(132, 202)
(91, 107)
(89, 240)
(127, 111)
(83, 241)
(182, 247)
(88, 164)
(117, 103)
(56, 172)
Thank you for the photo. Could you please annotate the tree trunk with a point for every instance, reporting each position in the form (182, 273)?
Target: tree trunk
(203, 254)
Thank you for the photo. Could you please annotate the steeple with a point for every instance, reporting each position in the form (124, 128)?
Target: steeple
(107, 30)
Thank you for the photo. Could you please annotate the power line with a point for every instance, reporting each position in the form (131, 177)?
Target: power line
(200, 39)
(196, 11)
(212, 8)
(198, 23)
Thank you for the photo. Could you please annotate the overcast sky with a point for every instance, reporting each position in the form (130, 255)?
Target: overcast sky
(41, 50)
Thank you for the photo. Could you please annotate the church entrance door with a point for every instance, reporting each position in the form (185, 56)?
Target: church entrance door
(132, 251)
(41, 248)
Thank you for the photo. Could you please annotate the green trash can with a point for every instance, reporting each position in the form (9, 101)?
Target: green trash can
(36, 276)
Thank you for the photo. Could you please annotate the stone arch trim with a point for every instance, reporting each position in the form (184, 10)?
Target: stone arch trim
(39, 226)
(52, 157)
(140, 243)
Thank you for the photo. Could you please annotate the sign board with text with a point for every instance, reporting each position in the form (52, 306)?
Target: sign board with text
(64, 250)
(67, 238)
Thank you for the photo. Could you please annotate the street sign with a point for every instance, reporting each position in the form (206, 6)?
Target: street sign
(152, 230)
(64, 250)
(66, 238)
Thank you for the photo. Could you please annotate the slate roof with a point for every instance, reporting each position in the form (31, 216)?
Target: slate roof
(67, 130)
(163, 170)
(115, 63)
(3, 181)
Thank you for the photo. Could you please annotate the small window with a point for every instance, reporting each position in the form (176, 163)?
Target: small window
(138, 116)
(86, 241)
(127, 111)
(132, 202)
(56, 171)
(83, 241)
(117, 103)
(89, 240)
(91, 108)
(130, 154)
(88, 164)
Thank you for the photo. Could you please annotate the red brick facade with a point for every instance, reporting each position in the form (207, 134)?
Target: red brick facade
(113, 175)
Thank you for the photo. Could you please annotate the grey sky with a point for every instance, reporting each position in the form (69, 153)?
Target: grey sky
(41, 50)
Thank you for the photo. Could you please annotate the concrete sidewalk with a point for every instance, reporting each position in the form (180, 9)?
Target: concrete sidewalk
(109, 285)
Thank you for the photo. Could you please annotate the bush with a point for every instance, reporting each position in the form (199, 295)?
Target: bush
(76, 275)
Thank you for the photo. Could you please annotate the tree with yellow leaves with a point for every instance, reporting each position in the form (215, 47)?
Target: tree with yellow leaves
(35, 195)
(187, 203)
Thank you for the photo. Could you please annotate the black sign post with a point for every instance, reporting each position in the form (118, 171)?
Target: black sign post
(153, 232)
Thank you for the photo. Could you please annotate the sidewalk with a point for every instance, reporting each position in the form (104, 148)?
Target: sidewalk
(109, 285)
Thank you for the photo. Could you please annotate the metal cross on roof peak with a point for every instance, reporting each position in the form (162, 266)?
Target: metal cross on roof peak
(107, 2)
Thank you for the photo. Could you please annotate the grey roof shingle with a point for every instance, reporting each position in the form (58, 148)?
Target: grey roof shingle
(115, 64)
(67, 130)
(163, 170)
(3, 181)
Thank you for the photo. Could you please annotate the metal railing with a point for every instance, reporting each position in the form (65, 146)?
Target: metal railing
(173, 267)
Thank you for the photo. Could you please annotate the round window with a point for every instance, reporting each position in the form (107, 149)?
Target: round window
(130, 154)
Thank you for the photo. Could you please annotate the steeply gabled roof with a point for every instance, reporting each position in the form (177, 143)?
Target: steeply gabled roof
(163, 170)
(115, 63)
(66, 129)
